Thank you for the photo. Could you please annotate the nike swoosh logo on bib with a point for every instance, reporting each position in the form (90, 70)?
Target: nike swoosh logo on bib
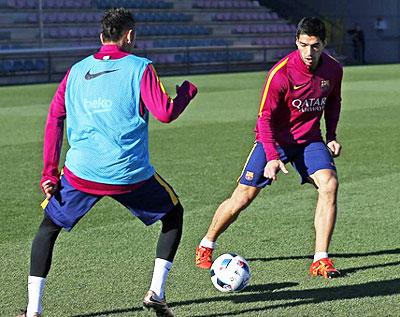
(90, 76)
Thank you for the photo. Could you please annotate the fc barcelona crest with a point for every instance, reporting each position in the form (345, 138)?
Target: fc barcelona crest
(325, 85)
(249, 176)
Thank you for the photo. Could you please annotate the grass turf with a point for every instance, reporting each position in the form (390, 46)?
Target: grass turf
(103, 268)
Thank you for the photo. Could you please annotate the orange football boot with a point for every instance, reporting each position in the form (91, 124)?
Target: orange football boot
(204, 257)
(325, 268)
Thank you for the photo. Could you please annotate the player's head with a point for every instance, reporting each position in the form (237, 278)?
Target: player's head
(118, 27)
(311, 40)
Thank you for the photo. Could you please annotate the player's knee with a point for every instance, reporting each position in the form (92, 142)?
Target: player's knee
(242, 197)
(48, 228)
(328, 184)
(243, 201)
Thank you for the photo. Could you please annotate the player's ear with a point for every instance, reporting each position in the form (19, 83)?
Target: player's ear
(101, 38)
(130, 36)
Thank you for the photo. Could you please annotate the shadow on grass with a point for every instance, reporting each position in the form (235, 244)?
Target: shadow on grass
(111, 312)
(366, 267)
(275, 292)
(264, 288)
(311, 296)
(332, 255)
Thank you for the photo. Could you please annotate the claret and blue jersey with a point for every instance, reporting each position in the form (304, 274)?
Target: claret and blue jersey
(293, 101)
(295, 98)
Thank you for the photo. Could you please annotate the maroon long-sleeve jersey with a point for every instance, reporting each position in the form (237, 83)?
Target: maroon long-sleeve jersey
(293, 101)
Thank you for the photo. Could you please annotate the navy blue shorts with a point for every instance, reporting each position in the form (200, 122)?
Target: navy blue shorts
(305, 158)
(150, 202)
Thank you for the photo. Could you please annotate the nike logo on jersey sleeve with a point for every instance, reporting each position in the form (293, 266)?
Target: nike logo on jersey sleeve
(90, 76)
(295, 87)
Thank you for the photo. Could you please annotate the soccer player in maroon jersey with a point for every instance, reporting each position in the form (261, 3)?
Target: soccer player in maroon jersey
(105, 101)
(299, 89)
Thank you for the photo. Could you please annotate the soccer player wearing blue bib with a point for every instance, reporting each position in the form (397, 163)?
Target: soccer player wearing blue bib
(105, 100)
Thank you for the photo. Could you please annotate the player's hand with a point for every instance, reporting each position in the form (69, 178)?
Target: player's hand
(48, 188)
(187, 88)
(334, 147)
(272, 168)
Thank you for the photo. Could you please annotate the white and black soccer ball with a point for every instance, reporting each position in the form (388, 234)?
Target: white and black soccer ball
(230, 273)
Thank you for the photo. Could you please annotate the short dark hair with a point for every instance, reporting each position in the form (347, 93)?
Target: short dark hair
(115, 23)
(311, 26)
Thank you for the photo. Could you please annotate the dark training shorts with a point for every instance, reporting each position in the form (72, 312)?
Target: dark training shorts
(305, 158)
(150, 202)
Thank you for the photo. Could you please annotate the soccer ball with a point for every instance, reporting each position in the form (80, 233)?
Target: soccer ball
(230, 273)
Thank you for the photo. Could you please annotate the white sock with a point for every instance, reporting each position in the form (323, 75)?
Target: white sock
(160, 274)
(320, 255)
(35, 292)
(207, 243)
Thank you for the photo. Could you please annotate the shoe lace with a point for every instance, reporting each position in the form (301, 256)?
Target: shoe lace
(326, 264)
(203, 253)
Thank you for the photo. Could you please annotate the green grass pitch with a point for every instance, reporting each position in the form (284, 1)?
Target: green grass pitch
(103, 267)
